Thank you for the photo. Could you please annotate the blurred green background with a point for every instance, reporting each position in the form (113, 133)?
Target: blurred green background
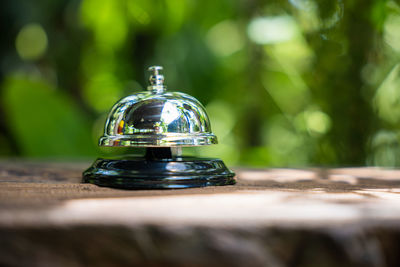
(285, 83)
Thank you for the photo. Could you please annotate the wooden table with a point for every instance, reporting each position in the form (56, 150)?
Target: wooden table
(272, 217)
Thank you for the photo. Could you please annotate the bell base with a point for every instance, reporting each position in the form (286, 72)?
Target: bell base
(170, 173)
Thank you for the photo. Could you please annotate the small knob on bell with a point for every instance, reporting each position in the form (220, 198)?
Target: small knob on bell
(156, 80)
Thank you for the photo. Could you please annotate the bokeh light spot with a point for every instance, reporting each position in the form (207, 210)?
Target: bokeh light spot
(107, 20)
(307, 5)
(392, 33)
(270, 30)
(317, 121)
(224, 38)
(387, 98)
(31, 42)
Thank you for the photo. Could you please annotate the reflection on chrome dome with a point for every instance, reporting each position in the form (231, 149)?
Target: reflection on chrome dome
(158, 118)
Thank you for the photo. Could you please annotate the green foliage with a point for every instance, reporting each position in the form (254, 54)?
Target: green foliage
(44, 121)
(286, 83)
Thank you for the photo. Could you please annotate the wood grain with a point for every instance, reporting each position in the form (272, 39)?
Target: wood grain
(278, 217)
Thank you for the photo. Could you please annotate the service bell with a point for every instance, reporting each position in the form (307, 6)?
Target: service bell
(162, 122)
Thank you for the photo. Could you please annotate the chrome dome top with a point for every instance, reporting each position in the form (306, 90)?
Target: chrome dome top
(157, 118)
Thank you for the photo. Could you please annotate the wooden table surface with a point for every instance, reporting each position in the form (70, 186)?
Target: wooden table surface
(271, 217)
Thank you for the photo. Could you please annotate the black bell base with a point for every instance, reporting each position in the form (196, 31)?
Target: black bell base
(172, 173)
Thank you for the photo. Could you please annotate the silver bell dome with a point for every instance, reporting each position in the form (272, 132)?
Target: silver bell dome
(157, 118)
